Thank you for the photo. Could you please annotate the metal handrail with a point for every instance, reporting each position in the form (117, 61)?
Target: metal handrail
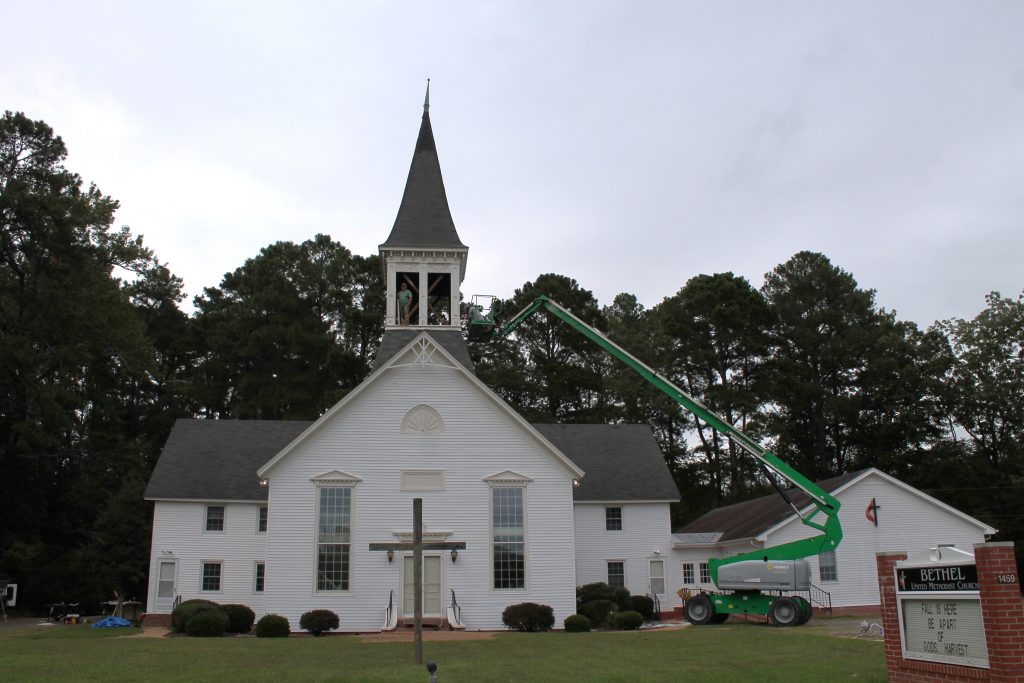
(177, 601)
(656, 610)
(456, 610)
(390, 609)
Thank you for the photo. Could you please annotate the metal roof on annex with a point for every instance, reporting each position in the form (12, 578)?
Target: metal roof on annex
(753, 517)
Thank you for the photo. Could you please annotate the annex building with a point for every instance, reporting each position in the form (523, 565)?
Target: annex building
(279, 515)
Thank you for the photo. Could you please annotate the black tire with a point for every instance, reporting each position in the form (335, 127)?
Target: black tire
(720, 618)
(785, 612)
(698, 610)
(806, 611)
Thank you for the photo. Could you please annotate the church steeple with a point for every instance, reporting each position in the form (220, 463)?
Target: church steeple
(424, 219)
(423, 259)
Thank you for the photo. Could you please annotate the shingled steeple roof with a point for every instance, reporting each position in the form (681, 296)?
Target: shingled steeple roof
(424, 219)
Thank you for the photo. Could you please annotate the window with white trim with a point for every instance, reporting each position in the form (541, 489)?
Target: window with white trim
(334, 536)
(258, 577)
(688, 574)
(705, 573)
(261, 523)
(828, 567)
(617, 573)
(613, 519)
(211, 576)
(508, 534)
(215, 518)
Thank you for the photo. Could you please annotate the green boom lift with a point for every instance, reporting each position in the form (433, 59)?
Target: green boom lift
(748, 583)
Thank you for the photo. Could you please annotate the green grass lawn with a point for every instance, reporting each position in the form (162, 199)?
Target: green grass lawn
(731, 652)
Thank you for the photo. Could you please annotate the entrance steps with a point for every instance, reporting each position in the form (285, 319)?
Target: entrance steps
(430, 623)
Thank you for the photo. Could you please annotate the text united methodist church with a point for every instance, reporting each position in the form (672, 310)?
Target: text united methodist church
(280, 515)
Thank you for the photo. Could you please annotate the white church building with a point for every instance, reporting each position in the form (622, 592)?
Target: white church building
(279, 515)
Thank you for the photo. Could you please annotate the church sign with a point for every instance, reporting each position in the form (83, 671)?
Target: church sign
(939, 608)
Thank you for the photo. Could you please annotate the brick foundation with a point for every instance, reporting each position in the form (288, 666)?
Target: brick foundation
(1002, 612)
(156, 620)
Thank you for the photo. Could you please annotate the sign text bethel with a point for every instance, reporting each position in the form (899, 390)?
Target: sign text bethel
(959, 577)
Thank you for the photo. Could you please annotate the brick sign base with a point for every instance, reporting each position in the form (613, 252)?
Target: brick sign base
(1002, 613)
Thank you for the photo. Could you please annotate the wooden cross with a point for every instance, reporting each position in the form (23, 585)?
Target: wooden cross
(417, 547)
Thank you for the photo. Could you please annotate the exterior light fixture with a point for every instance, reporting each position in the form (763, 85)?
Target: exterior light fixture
(575, 482)
(455, 554)
(263, 482)
(391, 556)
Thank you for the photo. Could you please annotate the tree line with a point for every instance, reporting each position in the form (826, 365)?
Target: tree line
(99, 359)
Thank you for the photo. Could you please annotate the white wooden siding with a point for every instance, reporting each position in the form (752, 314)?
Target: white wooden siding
(646, 535)
(365, 440)
(179, 527)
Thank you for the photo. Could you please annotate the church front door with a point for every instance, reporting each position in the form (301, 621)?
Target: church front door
(431, 586)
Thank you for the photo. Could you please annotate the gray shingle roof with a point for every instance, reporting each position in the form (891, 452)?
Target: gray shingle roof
(752, 517)
(452, 341)
(218, 459)
(424, 219)
(621, 462)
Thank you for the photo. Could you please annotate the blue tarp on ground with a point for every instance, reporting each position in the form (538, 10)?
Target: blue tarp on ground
(111, 622)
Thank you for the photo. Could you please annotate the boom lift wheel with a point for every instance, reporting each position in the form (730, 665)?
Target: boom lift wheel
(785, 612)
(698, 610)
(805, 611)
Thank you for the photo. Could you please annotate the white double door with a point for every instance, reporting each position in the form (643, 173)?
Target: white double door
(431, 586)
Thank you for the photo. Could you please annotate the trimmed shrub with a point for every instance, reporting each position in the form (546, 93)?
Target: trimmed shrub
(602, 591)
(598, 611)
(528, 616)
(319, 620)
(188, 609)
(643, 604)
(272, 626)
(577, 623)
(208, 623)
(240, 618)
(626, 621)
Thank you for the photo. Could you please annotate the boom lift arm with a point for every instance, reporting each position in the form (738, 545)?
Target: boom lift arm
(824, 516)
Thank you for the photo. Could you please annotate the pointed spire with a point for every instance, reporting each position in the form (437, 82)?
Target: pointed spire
(424, 219)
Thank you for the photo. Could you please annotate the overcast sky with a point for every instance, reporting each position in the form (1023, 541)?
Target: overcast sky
(630, 145)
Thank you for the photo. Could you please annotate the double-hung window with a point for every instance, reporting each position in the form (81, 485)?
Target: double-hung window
(508, 533)
(613, 519)
(211, 576)
(828, 568)
(705, 573)
(334, 536)
(259, 575)
(261, 523)
(215, 518)
(688, 574)
(617, 573)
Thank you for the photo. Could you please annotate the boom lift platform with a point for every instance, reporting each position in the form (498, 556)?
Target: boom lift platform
(748, 583)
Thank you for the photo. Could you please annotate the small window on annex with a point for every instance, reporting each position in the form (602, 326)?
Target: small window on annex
(215, 518)
(261, 524)
(617, 573)
(705, 573)
(688, 574)
(259, 574)
(613, 519)
(211, 576)
(828, 569)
